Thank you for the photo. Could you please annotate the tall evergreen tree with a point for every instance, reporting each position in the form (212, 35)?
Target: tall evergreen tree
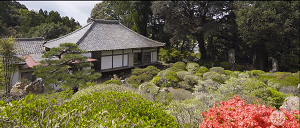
(9, 62)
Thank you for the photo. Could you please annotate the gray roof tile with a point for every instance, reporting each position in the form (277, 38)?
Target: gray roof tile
(72, 37)
(25, 46)
(101, 35)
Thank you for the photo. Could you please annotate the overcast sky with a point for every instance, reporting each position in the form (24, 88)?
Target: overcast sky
(79, 10)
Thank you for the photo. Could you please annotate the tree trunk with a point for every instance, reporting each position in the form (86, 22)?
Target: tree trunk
(261, 60)
(202, 49)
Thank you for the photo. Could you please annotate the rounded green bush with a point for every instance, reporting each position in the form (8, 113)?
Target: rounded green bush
(207, 86)
(179, 66)
(191, 79)
(117, 82)
(219, 70)
(229, 73)
(192, 67)
(266, 77)
(148, 87)
(89, 109)
(180, 94)
(202, 70)
(156, 80)
(243, 75)
(225, 65)
(187, 113)
(182, 74)
(256, 73)
(252, 87)
(168, 78)
(184, 85)
(214, 76)
(142, 75)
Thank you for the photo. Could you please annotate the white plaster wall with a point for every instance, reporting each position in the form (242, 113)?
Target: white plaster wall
(131, 59)
(125, 61)
(154, 56)
(15, 77)
(89, 55)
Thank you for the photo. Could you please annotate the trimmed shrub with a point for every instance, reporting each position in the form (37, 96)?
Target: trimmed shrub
(290, 90)
(229, 74)
(182, 74)
(275, 83)
(283, 75)
(168, 78)
(202, 70)
(164, 98)
(156, 80)
(256, 73)
(287, 81)
(253, 87)
(148, 90)
(187, 113)
(148, 87)
(142, 75)
(180, 94)
(191, 79)
(117, 82)
(219, 70)
(243, 75)
(214, 76)
(225, 65)
(276, 98)
(200, 75)
(192, 67)
(207, 86)
(184, 85)
(179, 66)
(266, 76)
(89, 109)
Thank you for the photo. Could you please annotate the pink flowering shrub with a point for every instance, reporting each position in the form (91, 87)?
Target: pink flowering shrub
(235, 113)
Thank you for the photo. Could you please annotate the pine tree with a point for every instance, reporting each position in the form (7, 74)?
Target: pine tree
(65, 67)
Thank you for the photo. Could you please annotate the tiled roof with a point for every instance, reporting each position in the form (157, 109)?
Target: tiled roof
(101, 35)
(72, 37)
(25, 46)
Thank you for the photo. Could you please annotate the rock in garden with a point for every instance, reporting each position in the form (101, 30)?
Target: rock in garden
(291, 103)
(18, 90)
(35, 87)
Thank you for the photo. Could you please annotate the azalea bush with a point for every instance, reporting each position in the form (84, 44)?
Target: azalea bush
(236, 113)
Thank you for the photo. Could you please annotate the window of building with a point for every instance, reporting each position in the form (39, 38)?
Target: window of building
(28, 76)
(147, 57)
(137, 58)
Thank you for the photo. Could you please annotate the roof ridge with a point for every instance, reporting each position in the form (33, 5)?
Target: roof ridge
(106, 21)
(68, 33)
(34, 38)
(142, 35)
(93, 24)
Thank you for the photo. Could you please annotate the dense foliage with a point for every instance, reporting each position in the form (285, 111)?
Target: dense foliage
(90, 109)
(8, 63)
(17, 21)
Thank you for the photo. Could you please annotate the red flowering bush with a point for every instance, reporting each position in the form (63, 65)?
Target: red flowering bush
(235, 113)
